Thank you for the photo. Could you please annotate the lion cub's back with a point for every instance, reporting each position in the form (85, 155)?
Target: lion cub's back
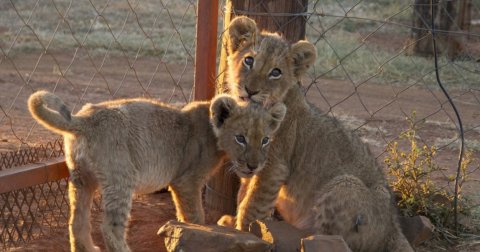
(157, 138)
(145, 136)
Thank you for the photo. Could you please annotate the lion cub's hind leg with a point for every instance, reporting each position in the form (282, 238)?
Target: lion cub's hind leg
(81, 188)
(346, 207)
(117, 191)
(117, 203)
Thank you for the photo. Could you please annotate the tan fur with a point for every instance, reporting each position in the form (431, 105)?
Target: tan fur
(143, 145)
(319, 175)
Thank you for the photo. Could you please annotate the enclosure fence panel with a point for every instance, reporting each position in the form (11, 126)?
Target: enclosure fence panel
(375, 68)
(375, 72)
(85, 52)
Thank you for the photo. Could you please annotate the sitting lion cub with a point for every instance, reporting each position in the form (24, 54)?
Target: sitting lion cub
(320, 176)
(143, 145)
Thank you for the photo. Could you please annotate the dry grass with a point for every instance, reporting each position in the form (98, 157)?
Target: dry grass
(147, 27)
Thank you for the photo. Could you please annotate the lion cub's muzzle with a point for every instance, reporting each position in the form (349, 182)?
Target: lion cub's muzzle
(246, 170)
(248, 95)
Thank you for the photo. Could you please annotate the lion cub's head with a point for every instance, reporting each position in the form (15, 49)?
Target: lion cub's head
(262, 68)
(245, 131)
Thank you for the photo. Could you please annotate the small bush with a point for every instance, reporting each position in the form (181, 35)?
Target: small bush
(412, 172)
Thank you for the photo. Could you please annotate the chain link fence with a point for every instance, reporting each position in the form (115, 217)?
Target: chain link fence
(376, 68)
(368, 73)
(376, 73)
(84, 51)
(371, 73)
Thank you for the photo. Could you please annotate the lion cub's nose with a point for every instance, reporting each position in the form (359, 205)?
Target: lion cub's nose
(250, 92)
(251, 167)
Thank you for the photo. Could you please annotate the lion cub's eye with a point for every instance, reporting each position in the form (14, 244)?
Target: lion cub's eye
(275, 74)
(265, 141)
(240, 140)
(248, 62)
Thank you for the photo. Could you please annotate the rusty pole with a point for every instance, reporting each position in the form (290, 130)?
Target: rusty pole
(206, 49)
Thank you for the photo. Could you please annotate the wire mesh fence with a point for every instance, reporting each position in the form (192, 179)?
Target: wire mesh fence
(38, 208)
(382, 53)
(84, 51)
(370, 52)
(380, 70)
(29, 213)
(31, 155)
(376, 73)
(89, 51)
(374, 68)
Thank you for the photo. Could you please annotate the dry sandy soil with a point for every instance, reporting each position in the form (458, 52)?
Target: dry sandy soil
(149, 213)
(376, 111)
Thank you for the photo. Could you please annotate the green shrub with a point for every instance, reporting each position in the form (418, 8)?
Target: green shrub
(412, 172)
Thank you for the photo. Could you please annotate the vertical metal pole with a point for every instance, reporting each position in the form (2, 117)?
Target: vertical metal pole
(206, 49)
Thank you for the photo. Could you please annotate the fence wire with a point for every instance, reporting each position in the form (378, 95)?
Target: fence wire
(86, 52)
(383, 62)
(374, 68)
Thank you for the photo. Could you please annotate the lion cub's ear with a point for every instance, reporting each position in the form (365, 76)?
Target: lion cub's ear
(241, 34)
(277, 111)
(221, 108)
(304, 54)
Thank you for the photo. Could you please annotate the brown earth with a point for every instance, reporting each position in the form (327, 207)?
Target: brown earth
(148, 214)
(86, 80)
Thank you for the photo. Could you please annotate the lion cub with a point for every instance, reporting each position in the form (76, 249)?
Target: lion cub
(320, 176)
(143, 145)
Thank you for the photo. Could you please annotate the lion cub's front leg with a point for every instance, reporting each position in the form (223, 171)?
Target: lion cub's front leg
(187, 196)
(261, 195)
(229, 220)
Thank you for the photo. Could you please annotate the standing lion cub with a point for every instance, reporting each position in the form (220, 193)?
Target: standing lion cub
(143, 145)
(320, 176)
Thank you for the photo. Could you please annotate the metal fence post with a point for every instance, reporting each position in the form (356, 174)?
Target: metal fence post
(206, 49)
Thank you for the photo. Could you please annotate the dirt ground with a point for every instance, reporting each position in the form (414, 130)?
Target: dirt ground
(148, 214)
(375, 110)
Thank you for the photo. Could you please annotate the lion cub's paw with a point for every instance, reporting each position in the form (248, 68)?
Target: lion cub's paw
(227, 221)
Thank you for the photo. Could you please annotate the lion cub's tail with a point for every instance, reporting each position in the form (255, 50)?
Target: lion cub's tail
(52, 113)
